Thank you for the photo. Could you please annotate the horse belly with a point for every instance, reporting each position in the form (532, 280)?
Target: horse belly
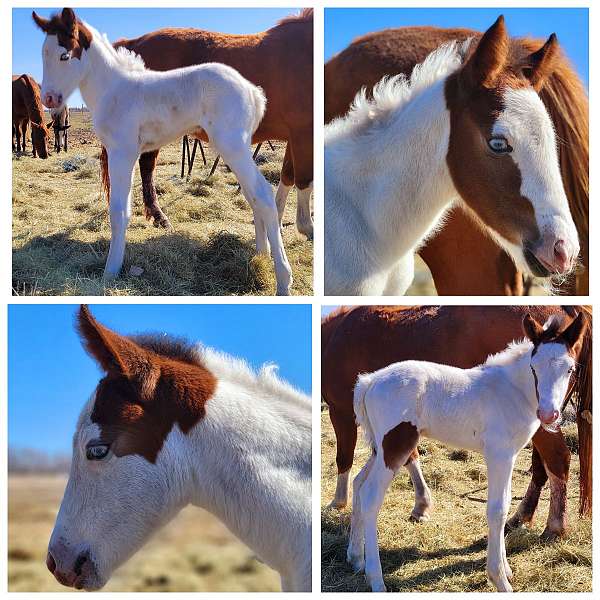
(458, 431)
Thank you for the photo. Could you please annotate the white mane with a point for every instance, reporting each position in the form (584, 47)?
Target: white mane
(515, 350)
(391, 94)
(227, 367)
(128, 60)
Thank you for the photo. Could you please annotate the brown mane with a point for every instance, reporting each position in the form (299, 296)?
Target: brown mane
(306, 14)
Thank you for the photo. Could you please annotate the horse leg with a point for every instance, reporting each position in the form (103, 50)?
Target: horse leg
(355, 555)
(237, 155)
(24, 132)
(372, 492)
(499, 470)
(120, 168)
(401, 276)
(260, 231)
(147, 162)
(286, 181)
(302, 156)
(423, 502)
(345, 430)
(528, 505)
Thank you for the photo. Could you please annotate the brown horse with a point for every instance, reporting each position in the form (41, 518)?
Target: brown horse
(366, 338)
(280, 61)
(461, 257)
(28, 108)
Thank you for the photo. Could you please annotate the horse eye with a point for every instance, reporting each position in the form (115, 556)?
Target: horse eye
(96, 452)
(499, 145)
(65, 56)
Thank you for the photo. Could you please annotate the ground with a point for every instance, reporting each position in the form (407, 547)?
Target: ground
(447, 554)
(61, 231)
(195, 552)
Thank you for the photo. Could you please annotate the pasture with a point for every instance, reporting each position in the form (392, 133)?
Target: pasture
(61, 231)
(447, 553)
(195, 552)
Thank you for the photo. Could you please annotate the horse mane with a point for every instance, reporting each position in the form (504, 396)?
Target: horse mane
(515, 350)
(33, 101)
(169, 346)
(391, 94)
(306, 14)
(127, 59)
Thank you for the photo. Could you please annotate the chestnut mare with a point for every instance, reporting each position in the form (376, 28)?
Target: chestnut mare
(171, 425)
(280, 61)
(28, 108)
(366, 338)
(467, 127)
(462, 258)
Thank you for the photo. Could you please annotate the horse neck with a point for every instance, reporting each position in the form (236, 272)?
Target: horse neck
(236, 457)
(100, 71)
(405, 185)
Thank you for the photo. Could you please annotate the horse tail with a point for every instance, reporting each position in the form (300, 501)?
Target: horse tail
(363, 384)
(566, 101)
(259, 104)
(105, 174)
(583, 389)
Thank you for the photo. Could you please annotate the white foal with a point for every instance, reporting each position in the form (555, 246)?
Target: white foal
(136, 110)
(467, 126)
(493, 409)
(171, 425)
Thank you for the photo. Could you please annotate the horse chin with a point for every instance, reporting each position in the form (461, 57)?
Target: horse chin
(535, 267)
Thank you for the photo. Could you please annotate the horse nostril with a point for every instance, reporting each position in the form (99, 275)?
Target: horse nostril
(81, 560)
(560, 252)
(50, 563)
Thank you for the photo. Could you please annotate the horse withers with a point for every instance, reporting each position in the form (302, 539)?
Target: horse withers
(136, 110)
(170, 425)
(469, 125)
(493, 409)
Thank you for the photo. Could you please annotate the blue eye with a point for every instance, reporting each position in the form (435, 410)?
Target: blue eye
(499, 145)
(97, 452)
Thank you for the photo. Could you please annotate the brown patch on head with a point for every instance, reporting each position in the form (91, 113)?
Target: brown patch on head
(556, 333)
(72, 34)
(490, 183)
(399, 444)
(151, 384)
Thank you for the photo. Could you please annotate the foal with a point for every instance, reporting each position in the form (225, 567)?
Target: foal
(468, 126)
(60, 124)
(171, 425)
(136, 110)
(493, 409)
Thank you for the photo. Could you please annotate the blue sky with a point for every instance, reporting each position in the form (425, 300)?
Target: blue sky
(132, 22)
(342, 25)
(51, 376)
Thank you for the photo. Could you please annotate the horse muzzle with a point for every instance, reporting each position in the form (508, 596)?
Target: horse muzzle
(76, 570)
(551, 256)
(548, 417)
(53, 100)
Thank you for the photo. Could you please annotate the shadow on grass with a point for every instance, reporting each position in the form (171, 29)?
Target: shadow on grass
(172, 264)
(337, 575)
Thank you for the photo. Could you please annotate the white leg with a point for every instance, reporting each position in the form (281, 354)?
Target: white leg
(262, 243)
(341, 490)
(281, 198)
(423, 503)
(260, 196)
(401, 276)
(499, 492)
(120, 168)
(355, 554)
(304, 221)
(372, 493)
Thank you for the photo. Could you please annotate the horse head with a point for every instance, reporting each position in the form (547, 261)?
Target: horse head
(67, 38)
(502, 152)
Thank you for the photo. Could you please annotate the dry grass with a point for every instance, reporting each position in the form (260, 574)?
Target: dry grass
(447, 554)
(195, 552)
(61, 231)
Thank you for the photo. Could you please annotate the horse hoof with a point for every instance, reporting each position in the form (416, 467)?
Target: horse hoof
(109, 277)
(418, 518)
(549, 536)
(357, 563)
(337, 504)
(284, 291)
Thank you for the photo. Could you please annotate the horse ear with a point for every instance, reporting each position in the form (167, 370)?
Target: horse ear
(540, 65)
(491, 54)
(68, 18)
(533, 330)
(116, 353)
(43, 24)
(573, 333)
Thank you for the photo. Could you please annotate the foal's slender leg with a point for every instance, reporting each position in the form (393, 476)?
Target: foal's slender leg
(237, 155)
(286, 181)
(152, 209)
(301, 142)
(423, 502)
(120, 168)
(500, 468)
(260, 231)
(356, 543)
